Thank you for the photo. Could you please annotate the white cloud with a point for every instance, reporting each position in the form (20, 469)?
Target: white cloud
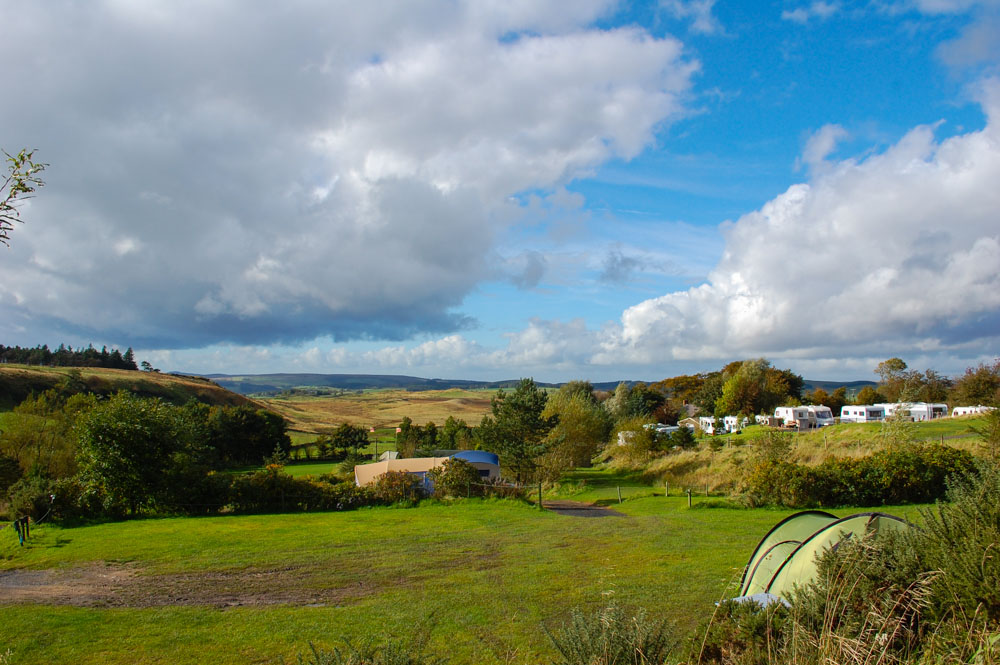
(894, 255)
(319, 170)
(898, 251)
(821, 144)
(699, 11)
(816, 10)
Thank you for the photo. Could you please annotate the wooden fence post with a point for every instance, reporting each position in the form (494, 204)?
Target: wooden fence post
(619, 494)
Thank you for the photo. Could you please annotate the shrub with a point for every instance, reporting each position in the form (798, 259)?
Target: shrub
(398, 487)
(44, 498)
(351, 460)
(455, 477)
(612, 636)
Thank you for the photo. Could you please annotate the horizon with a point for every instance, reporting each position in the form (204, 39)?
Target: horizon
(605, 189)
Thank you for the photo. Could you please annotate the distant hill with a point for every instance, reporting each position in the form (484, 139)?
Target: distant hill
(829, 386)
(253, 384)
(272, 384)
(19, 381)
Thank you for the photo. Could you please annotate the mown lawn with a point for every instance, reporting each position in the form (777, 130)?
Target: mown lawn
(485, 574)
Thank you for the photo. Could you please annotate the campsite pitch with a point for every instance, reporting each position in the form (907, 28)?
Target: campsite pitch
(485, 574)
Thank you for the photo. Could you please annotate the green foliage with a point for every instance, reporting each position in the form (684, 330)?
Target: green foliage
(517, 428)
(907, 473)
(245, 434)
(582, 427)
(455, 434)
(927, 595)
(741, 634)
(369, 652)
(612, 636)
(349, 436)
(22, 178)
(683, 439)
(979, 385)
(869, 395)
(455, 478)
(10, 472)
(756, 387)
(353, 459)
(398, 487)
(272, 490)
(989, 432)
(126, 446)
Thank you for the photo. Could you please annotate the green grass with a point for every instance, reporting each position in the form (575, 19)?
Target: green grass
(484, 571)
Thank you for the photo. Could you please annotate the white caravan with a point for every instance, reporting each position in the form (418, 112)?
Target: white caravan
(865, 413)
(970, 410)
(822, 414)
(796, 416)
(915, 410)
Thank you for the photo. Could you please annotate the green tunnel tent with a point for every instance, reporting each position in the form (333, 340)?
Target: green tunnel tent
(786, 556)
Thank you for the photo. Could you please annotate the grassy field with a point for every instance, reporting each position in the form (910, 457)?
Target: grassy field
(381, 408)
(256, 589)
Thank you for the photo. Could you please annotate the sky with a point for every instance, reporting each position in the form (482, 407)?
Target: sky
(497, 189)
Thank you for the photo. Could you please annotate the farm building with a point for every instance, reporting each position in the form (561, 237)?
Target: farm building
(487, 463)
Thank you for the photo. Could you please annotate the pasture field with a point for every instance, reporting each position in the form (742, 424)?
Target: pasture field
(484, 574)
(380, 408)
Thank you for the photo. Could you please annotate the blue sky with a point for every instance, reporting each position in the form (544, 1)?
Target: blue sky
(591, 190)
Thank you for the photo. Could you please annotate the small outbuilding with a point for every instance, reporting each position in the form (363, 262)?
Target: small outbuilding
(488, 465)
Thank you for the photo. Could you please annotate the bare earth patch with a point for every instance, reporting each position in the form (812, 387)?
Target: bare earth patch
(578, 509)
(115, 585)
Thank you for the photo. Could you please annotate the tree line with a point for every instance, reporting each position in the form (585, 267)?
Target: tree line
(66, 356)
(125, 454)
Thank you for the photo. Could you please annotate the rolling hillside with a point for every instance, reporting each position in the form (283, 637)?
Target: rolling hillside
(19, 381)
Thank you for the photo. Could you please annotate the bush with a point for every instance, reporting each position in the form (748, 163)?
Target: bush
(398, 487)
(923, 595)
(612, 636)
(44, 498)
(908, 473)
(455, 477)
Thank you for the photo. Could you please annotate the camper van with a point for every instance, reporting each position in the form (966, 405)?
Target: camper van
(707, 424)
(822, 414)
(796, 416)
(862, 414)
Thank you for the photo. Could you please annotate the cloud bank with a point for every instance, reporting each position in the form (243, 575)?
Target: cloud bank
(894, 254)
(273, 174)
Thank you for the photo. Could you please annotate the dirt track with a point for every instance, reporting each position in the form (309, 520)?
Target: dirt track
(110, 585)
(577, 509)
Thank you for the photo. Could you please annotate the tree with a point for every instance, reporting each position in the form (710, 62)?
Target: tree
(756, 387)
(517, 428)
(582, 427)
(244, 434)
(643, 400)
(22, 179)
(349, 436)
(979, 385)
(869, 395)
(892, 378)
(126, 444)
(455, 434)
